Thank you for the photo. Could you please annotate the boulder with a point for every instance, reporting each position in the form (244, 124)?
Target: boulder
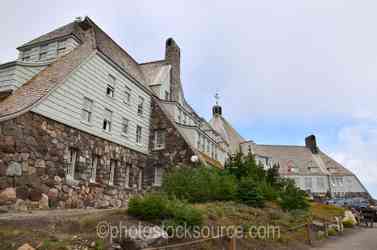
(35, 195)
(26, 246)
(58, 180)
(14, 169)
(53, 194)
(40, 164)
(8, 196)
(348, 216)
(140, 238)
(43, 202)
(102, 204)
(20, 205)
(22, 193)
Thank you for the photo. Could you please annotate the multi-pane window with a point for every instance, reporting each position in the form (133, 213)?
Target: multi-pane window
(167, 96)
(184, 119)
(107, 120)
(140, 106)
(43, 52)
(72, 164)
(138, 134)
(199, 141)
(159, 139)
(125, 123)
(93, 172)
(26, 55)
(87, 110)
(110, 90)
(179, 115)
(127, 95)
(113, 165)
(158, 173)
(61, 47)
(127, 176)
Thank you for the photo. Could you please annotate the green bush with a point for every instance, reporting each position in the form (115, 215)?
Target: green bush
(292, 198)
(332, 232)
(158, 208)
(249, 194)
(268, 191)
(199, 185)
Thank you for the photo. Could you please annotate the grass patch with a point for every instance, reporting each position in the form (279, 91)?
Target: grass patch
(56, 245)
(325, 212)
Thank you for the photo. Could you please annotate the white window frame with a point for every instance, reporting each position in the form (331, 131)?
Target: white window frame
(167, 95)
(127, 95)
(139, 132)
(110, 90)
(26, 55)
(43, 52)
(125, 126)
(158, 175)
(107, 121)
(87, 108)
(113, 165)
(93, 172)
(72, 164)
(140, 106)
(159, 139)
(61, 47)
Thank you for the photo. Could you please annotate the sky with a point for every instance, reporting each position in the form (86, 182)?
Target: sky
(284, 69)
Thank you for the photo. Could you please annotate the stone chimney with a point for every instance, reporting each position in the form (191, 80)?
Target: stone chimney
(311, 143)
(173, 57)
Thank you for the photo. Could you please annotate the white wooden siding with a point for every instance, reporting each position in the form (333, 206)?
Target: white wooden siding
(51, 50)
(16, 75)
(90, 80)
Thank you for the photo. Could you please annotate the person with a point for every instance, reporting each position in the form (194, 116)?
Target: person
(368, 215)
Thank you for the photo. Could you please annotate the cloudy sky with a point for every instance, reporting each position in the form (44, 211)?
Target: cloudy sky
(284, 69)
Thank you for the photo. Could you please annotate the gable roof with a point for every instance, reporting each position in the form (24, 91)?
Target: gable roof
(227, 132)
(302, 159)
(92, 38)
(59, 32)
(152, 69)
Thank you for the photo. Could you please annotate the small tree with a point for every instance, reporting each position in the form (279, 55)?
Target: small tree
(249, 194)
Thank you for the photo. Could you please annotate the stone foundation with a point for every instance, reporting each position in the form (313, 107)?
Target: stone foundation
(35, 156)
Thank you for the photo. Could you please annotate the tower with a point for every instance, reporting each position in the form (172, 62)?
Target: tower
(217, 109)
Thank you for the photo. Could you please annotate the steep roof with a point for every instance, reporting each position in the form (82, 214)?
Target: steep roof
(302, 159)
(92, 38)
(227, 132)
(59, 32)
(152, 69)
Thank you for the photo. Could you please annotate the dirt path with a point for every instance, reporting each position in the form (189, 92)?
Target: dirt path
(362, 239)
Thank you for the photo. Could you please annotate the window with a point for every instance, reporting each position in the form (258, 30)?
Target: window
(184, 119)
(125, 123)
(113, 165)
(107, 120)
(179, 115)
(159, 139)
(138, 134)
(93, 172)
(140, 179)
(127, 95)
(72, 164)
(140, 106)
(110, 91)
(87, 109)
(199, 141)
(338, 181)
(203, 143)
(158, 173)
(61, 47)
(26, 55)
(43, 52)
(167, 96)
(208, 146)
(216, 156)
(127, 176)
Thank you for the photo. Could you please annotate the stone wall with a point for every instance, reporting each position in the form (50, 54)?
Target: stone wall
(35, 155)
(176, 150)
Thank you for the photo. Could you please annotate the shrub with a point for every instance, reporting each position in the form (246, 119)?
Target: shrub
(158, 207)
(292, 198)
(249, 194)
(268, 191)
(332, 232)
(199, 185)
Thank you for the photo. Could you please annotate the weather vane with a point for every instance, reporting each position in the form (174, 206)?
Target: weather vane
(217, 97)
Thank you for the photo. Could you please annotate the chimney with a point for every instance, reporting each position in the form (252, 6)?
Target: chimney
(311, 143)
(173, 57)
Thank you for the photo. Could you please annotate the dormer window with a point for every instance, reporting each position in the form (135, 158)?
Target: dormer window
(43, 52)
(26, 55)
(61, 47)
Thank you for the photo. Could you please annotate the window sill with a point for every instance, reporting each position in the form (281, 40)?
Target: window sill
(124, 135)
(89, 124)
(106, 132)
(110, 97)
